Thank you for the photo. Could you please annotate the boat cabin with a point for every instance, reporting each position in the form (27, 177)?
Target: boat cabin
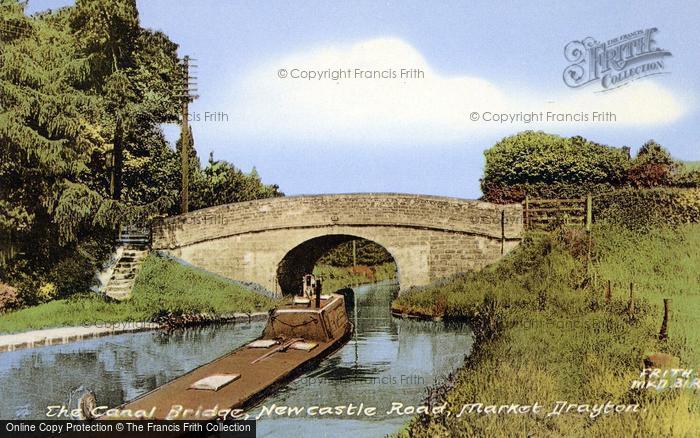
(311, 288)
(323, 323)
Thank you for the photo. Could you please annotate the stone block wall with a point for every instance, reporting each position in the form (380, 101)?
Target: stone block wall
(429, 237)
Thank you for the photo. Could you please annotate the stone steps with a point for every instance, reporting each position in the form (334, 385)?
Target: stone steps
(133, 240)
(134, 258)
(120, 295)
(124, 275)
(118, 276)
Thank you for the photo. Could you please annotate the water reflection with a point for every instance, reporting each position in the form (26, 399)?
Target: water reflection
(118, 368)
(388, 360)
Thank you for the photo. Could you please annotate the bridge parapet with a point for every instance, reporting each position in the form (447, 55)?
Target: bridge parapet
(350, 210)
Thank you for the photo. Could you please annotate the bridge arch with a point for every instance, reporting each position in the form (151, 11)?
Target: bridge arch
(429, 237)
(303, 258)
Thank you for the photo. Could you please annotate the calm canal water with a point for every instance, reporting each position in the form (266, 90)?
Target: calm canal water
(387, 361)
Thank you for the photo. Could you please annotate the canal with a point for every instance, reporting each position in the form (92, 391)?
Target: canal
(387, 361)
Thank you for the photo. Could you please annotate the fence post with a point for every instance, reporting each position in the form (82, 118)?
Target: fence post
(663, 334)
(589, 212)
(630, 308)
(608, 293)
(527, 213)
(503, 231)
(354, 253)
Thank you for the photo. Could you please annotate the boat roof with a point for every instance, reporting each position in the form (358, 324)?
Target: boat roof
(247, 374)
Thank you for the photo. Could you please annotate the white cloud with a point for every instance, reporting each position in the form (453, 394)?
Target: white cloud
(433, 109)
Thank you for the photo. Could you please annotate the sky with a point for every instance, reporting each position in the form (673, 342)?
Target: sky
(414, 134)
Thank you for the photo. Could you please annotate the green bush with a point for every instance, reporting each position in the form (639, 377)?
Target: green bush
(547, 165)
(47, 292)
(652, 167)
(74, 270)
(688, 174)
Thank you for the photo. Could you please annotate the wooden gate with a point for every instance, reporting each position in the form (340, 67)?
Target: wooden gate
(549, 213)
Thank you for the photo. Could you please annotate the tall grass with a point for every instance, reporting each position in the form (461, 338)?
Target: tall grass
(661, 264)
(161, 286)
(545, 334)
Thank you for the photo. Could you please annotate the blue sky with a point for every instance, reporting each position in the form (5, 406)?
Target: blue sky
(414, 136)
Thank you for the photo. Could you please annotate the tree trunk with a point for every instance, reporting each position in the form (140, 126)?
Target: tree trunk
(117, 161)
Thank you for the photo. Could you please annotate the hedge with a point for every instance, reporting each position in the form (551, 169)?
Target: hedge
(546, 165)
(641, 209)
(507, 194)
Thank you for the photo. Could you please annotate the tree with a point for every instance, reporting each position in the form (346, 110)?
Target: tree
(133, 72)
(547, 165)
(221, 182)
(47, 143)
(46, 197)
(107, 34)
(190, 164)
(57, 106)
(83, 93)
(367, 253)
(652, 167)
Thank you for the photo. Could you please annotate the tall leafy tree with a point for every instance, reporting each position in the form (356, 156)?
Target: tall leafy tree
(106, 34)
(220, 182)
(134, 71)
(148, 173)
(64, 100)
(83, 93)
(47, 141)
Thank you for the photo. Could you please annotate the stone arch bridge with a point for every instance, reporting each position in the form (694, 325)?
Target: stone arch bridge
(273, 241)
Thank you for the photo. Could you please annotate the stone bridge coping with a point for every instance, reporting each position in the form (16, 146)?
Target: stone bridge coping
(442, 213)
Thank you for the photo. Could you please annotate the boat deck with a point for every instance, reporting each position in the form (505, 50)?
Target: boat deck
(327, 327)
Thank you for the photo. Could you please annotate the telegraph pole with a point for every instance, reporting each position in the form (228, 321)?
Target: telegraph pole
(354, 253)
(185, 145)
(186, 98)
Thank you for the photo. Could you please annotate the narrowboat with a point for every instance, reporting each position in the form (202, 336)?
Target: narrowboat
(296, 338)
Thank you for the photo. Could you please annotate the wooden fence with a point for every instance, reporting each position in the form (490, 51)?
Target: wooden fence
(549, 213)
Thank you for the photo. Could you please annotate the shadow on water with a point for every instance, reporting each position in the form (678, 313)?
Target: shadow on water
(387, 361)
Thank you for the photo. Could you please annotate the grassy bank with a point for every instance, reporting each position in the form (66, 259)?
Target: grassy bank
(162, 286)
(335, 278)
(545, 334)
